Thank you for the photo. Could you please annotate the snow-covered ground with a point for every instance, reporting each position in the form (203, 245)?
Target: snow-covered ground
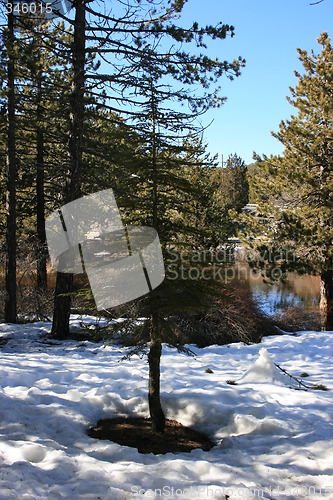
(273, 441)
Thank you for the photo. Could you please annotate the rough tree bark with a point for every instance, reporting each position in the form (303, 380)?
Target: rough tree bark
(62, 301)
(326, 276)
(154, 360)
(326, 298)
(10, 297)
(41, 235)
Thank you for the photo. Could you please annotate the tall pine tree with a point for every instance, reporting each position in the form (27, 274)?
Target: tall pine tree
(300, 182)
(11, 242)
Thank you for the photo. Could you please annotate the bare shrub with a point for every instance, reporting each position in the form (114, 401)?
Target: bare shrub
(233, 318)
(294, 318)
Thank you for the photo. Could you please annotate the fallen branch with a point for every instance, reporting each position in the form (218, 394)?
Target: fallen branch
(316, 387)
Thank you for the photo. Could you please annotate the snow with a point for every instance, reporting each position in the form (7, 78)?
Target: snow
(264, 370)
(272, 440)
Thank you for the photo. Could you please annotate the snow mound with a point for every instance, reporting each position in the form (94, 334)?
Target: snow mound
(33, 453)
(264, 370)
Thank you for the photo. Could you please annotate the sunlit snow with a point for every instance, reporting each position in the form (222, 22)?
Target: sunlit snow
(272, 439)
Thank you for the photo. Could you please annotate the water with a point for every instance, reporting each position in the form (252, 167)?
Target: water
(301, 293)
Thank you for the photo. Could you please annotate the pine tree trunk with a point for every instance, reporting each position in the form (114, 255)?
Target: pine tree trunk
(10, 297)
(41, 236)
(62, 300)
(154, 159)
(154, 360)
(326, 299)
(155, 351)
(62, 306)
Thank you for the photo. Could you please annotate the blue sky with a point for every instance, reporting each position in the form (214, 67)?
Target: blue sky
(267, 35)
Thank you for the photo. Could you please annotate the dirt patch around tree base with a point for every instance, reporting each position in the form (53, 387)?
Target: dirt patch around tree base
(137, 433)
